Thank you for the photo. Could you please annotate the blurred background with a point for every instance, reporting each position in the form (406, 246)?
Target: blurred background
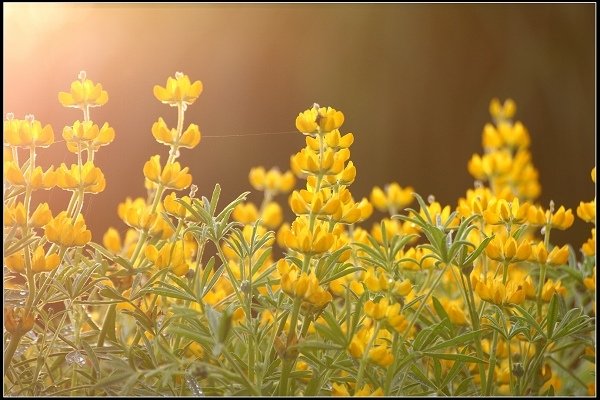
(413, 80)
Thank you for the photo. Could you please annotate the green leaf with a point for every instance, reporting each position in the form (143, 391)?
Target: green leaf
(454, 357)
(552, 315)
(167, 292)
(317, 345)
(460, 340)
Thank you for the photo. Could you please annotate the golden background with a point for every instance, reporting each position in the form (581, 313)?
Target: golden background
(414, 82)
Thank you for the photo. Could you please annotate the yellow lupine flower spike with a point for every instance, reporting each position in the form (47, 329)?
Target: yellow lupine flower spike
(83, 93)
(27, 133)
(178, 90)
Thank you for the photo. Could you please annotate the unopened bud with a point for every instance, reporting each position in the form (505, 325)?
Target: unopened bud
(551, 206)
(431, 199)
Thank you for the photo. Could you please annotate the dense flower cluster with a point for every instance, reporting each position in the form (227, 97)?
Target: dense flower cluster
(193, 296)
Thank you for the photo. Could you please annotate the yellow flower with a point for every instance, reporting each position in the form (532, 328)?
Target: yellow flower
(84, 93)
(539, 253)
(508, 250)
(42, 263)
(188, 139)
(87, 136)
(319, 119)
(494, 291)
(174, 208)
(272, 180)
(536, 215)
(171, 177)
(309, 162)
(88, 178)
(506, 134)
(440, 215)
(170, 255)
(335, 140)
(178, 90)
(381, 355)
(551, 287)
(27, 133)
(475, 202)
(504, 111)
(15, 215)
(502, 212)
(455, 311)
(562, 219)
(112, 240)
(490, 165)
(589, 247)
(376, 310)
(396, 319)
(272, 215)
(367, 391)
(16, 322)
(558, 255)
(65, 232)
(590, 281)
(41, 216)
(339, 389)
(38, 179)
(394, 199)
(587, 211)
(321, 203)
(246, 213)
(300, 239)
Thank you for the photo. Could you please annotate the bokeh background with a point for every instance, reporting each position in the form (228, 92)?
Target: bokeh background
(414, 82)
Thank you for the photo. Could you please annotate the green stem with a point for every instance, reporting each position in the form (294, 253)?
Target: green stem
(10, 351)
(288, 364)
(475, 318)
(365, 356)
(490, 378)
